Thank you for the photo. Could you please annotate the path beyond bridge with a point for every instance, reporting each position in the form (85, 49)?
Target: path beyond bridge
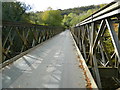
(52, 64)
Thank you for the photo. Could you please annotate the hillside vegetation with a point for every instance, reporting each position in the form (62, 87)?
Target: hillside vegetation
(75, 15)
(79, 10)
(17, 11)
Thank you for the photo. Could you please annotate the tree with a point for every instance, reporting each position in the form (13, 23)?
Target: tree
(66, 21)
(14, 11)
(36, 18)
(52, 17)
(70, 19)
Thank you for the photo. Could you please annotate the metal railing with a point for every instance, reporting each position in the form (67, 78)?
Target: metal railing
(98, 38)
(19, 37)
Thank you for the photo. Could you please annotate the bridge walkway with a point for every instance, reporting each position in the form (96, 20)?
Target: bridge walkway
(53, 64)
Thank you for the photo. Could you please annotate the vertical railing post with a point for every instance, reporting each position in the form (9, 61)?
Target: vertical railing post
(119, 38)
(0, 42)
(0, 32)
(93, 56)
(79, 38)
(114, 38)
(119, 28)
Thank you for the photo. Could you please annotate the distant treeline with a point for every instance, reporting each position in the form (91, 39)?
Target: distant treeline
(75, 15)
(17, 11)
(79, 10)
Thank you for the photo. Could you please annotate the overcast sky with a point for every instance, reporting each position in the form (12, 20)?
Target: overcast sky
(41, 5)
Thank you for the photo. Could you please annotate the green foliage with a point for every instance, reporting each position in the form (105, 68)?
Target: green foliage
(76, 15)
(72, 19)
(17, 11)
(52, 17)
(79, 10)
(102, 5)
(108, 42)
(35, 18)
(14, 11)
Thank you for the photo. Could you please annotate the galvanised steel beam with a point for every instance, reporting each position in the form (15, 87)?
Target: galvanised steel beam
(114, 38)
(110, 10)
(99, 39)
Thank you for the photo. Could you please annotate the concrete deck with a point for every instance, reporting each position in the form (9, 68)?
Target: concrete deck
(53, 64)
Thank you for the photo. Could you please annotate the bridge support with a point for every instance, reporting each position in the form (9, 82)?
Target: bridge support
(98, 38)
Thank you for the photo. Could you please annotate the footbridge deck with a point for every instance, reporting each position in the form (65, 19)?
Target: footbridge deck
(55, 63)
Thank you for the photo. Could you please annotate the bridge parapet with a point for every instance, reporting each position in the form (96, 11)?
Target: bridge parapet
(19, 37)
(98, 38)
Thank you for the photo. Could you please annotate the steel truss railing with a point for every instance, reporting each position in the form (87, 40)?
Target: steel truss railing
(19, 37)
(98, 38)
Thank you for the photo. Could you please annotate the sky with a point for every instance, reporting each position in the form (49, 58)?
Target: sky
(42, 5)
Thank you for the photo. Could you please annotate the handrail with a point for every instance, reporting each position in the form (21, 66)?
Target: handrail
(18, 37)
(98, 39)
(109, 10)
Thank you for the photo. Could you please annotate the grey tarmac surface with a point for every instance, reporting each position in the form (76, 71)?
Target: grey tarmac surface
(53, 64)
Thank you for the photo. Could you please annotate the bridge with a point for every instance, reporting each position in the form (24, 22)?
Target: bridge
(85, 56)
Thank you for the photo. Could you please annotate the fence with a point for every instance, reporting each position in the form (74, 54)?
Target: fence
(19, 37)
(98, 38)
